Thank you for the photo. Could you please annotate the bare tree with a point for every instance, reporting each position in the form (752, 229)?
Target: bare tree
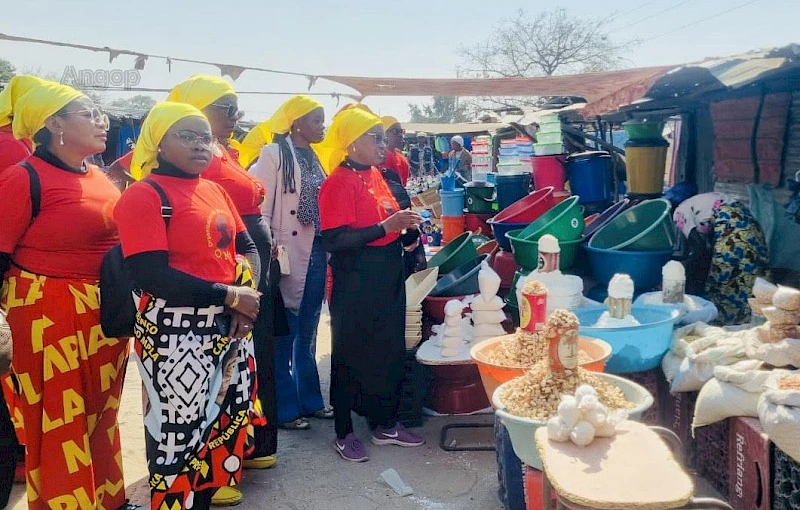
(543, 44)
(443, 109)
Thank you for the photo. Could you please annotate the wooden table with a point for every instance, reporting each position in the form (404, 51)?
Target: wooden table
(633, 471)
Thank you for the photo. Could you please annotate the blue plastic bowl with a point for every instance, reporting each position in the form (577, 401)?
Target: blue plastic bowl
(637, 348)
(644, 267)
(500, 230)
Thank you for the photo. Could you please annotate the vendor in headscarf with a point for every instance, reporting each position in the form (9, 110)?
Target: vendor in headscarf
(70, 374)
(218, 101)
(727, 251)
(197, 306)
(395, 161)
(460, 159)
(361, 227)
(292, 173)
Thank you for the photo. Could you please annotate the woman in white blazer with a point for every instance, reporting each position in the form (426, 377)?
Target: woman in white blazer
(292, 174)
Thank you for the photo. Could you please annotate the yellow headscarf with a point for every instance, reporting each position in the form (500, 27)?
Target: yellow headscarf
(161, 117)
(348, 125)
(280, 123)
(254, 141)
(17, 86)
(200, 90)
(389, 121)
(39, 103)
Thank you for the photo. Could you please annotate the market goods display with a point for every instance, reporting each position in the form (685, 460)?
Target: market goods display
(454, 330)
(524, 349)
(779, 411)
(620, 297)
(674, 282)
(487, 323)
(696, 350)
(537, 394)
(692, 308)
(563, 291)
(581, 418)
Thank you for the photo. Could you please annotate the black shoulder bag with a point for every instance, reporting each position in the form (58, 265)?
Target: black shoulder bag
(117, 306)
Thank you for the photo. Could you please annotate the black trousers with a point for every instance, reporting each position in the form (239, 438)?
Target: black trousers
(266, 437)
(9, 448)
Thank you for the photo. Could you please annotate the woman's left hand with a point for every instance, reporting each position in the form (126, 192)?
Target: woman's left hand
(241, 325)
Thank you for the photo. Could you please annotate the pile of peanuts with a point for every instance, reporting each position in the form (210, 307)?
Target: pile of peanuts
(525, 349)
(536, 394)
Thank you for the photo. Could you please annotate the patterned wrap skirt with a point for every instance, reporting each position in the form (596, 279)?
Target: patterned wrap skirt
(199, 398)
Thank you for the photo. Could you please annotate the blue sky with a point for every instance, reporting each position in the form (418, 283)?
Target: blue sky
(412, 38)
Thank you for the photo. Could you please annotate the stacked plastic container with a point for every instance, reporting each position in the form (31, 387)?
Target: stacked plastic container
(481, 158)
(549, 137)
(548, 162)
(514, 157)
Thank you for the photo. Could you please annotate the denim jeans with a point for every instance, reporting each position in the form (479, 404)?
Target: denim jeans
(296, 374)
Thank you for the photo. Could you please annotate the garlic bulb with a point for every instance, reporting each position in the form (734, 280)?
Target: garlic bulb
(557, 430)
(582, 434)
(568, 411)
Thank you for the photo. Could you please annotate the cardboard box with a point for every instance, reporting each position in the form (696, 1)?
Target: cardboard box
(750, 465)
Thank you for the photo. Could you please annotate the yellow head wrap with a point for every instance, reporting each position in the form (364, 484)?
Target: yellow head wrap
(200, 91)
(348, 125)
(39, 103)
(17, 86)
(161, 117)
(253, 142)
(280, 123)
(389, 121)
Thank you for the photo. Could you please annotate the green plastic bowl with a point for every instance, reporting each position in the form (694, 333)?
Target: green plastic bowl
(511, 299)
(564, 221)
(526, 252)
(645, 227)
(456, 253)
(643, 130)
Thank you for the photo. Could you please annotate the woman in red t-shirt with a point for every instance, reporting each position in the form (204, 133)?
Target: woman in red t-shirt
(363, 228)
(70, 374)
(217, 99)
(196, 311)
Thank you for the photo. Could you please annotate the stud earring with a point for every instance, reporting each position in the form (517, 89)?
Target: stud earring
(61, 138)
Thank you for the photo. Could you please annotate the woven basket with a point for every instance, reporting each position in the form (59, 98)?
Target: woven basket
(5, 345)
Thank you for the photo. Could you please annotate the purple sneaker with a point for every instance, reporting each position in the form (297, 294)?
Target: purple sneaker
(350, 448)
(397, 435)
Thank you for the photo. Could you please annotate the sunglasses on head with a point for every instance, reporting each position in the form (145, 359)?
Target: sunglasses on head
(231, 110)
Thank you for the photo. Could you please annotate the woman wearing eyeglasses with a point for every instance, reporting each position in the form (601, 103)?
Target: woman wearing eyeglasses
(218, 101)
(70, 375)
(292, 174)
(196, 314)
(364, 229)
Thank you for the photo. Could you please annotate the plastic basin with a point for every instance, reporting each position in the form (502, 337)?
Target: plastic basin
(564, 221)
(521, 430)
(419, 285)
(644, 227)
(511, 299)
(494, 375)
(527, 209)
(458, 252)
(462, 281)
(500, 230)
(644, 267)
(635, 348)
(604, 217)
(643, 130)
(526, 252)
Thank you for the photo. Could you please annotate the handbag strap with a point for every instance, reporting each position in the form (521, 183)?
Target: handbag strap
(166, 208)
(36, 189)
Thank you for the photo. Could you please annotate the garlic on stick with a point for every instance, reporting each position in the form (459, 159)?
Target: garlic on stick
(557, 430)
(582, 434)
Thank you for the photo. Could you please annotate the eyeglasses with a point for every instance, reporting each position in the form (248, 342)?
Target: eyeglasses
(232, 110)
(95, 114)
(379, 138)
(397, 131)
(190, 139)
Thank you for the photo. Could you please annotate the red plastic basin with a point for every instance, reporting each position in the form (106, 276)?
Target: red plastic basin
(527, 209)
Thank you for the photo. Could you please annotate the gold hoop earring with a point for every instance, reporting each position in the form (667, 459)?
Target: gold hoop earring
(61, 138)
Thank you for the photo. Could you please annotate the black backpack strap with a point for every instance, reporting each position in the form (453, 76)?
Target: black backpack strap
(166, 209)
(36, 189)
